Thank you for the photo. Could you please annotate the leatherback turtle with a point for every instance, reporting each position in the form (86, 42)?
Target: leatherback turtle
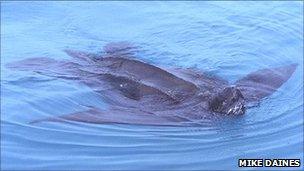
(140, 93)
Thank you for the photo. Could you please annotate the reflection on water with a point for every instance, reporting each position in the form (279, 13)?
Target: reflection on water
(229, 39)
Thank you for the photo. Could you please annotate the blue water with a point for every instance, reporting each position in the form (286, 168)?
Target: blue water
(229, 39)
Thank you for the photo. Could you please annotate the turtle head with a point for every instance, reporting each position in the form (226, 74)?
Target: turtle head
(228, 101)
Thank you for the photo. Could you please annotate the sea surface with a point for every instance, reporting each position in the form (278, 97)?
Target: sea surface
(228, 39)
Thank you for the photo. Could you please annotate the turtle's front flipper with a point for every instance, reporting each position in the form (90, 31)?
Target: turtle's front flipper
(115, 115)
(262, 83)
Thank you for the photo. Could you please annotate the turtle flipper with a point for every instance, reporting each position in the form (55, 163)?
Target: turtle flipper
(120, 49)
(80, 56)
(114, 115)
(113, 49)
(264, 82)
(48, 67)
(32, 64)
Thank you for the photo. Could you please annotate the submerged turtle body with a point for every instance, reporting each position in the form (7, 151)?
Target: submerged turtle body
(141, 93)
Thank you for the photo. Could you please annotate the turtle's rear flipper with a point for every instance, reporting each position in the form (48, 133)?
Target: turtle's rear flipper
(262, 83)
(47, 66)
(120, 49)
(81, 57)
(114, 49)
(34, 64)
